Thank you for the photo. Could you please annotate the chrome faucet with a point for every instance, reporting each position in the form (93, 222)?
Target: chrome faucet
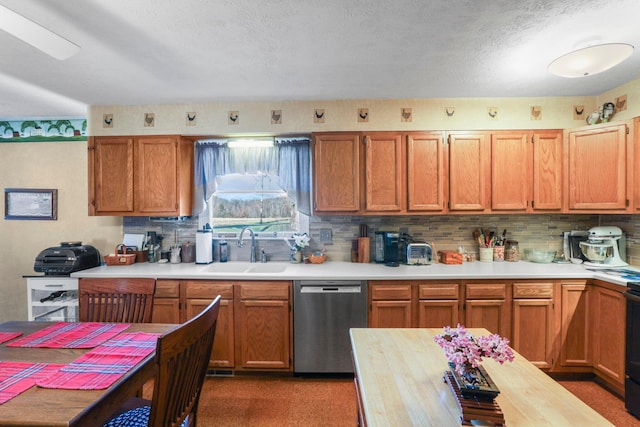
(252, 257)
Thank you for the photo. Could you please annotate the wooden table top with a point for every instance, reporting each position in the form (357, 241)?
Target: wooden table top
(400, 378)
(52, 408)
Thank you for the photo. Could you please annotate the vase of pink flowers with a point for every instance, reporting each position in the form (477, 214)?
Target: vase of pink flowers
(465, 353)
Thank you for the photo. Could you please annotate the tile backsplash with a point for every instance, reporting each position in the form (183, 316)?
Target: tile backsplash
(444, 231)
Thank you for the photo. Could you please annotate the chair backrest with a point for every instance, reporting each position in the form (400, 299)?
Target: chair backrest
(116, 300)
(182, 357)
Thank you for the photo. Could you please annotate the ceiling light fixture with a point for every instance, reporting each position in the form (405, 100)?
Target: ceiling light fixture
(590, 60)
(36, 35)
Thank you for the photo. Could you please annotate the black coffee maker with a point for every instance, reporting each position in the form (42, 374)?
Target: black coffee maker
(387, 247)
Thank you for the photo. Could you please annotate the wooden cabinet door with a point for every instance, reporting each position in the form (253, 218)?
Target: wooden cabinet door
(263, 326)
(597, 168)
(510, 171)
(636, 163)
(157, 175)
(533, 330)
(390, 314)
(488, 305)
(111, 175)
(336, 169)
(547, 171)
(222, 355)
(608, 332)
(425, 172)
(438, 313)
(166, 302)
(575, 333)
(384, 173)
(469, 172)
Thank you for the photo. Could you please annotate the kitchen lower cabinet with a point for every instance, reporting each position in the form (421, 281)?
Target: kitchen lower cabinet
(488, 305)
(167, 302)
(390, 304)
(254, 323)
(575, 333)
(608, 319)
(534, 322)
(198, 295)
(263, 325)
(438, 305)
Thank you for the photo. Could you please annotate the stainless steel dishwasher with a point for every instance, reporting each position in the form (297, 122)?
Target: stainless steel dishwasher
(323, 312)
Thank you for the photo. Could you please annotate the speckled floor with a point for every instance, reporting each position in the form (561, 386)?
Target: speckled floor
(285, 401)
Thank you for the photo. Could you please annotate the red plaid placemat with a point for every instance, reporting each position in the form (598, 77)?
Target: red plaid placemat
(71, 335)
(104, 365)
(6, 336)
(16, 377)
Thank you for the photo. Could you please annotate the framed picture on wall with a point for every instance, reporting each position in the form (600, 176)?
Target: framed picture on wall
(30, 203)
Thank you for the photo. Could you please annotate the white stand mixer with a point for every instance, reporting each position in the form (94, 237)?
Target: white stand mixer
(601, 248)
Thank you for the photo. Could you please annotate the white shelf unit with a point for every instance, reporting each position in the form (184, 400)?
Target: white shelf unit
(62, 308)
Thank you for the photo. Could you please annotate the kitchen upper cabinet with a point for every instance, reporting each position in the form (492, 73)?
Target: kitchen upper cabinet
(597, 169)
(384, 172)
(608, 316)
(547, 171)
(140, 176)
(636, 163)
(390, 304)
(263, 325)
(575, 333)
(336, 168)
(425, 172)
(469, 171)
(510, 171)
(534, 325)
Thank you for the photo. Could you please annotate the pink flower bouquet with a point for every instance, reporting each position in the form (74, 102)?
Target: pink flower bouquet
(465, 351)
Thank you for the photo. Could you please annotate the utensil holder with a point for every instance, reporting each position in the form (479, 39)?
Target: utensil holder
(485, 254)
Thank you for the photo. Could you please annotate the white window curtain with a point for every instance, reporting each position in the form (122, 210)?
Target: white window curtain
(289, 158)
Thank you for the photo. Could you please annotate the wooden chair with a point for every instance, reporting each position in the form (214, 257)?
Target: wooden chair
(116, 300)
(182, 359)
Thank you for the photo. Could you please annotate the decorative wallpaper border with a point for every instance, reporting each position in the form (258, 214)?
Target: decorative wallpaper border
(49, 130)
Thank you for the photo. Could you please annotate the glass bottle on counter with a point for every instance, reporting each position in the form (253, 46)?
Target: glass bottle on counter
(511, 251)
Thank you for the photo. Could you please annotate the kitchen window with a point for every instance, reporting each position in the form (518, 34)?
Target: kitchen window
(259, 183)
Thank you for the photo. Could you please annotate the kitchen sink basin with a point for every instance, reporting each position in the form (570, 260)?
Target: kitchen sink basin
(229, 267)
(267, 268)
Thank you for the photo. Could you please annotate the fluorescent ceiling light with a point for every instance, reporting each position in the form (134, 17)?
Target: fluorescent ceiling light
(36, 35)
(250, 143)
(590, 60)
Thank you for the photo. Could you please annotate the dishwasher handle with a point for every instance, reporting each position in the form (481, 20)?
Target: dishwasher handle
(328, 288)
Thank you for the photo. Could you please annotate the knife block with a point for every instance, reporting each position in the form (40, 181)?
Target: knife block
(364, 249)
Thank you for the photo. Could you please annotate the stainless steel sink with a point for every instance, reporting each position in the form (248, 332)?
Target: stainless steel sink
(267, 268)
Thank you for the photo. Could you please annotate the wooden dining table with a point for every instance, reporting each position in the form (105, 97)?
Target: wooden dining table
(55, 407)
(399, 382)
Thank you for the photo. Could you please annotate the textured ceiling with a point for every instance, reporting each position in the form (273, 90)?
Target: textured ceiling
(191, 51)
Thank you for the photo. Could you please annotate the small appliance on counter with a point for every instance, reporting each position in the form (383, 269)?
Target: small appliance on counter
(387, 247)
(67, 258)
(418, 253)
(571, 245)
(204, 245)
(603, 247)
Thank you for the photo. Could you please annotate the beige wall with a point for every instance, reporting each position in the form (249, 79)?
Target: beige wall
(60, 165)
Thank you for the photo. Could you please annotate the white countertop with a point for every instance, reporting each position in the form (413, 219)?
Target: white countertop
(331, 270)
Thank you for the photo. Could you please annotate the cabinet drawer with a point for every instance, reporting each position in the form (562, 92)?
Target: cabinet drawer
(486, 291)
(533, 290)
(438, 291)
(167, 289)
(265, 290)
(390, 292)
(206, 289)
